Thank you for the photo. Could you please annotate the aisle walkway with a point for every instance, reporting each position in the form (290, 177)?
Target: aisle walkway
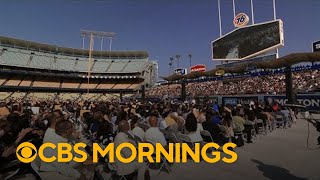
(281, 154)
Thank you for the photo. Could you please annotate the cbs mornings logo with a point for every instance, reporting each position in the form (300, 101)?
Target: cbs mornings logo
(175, 153)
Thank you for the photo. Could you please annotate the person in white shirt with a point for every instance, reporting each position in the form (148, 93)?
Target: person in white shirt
(135, 129)
(128, 168)
(58, 170)
(52, 118)
(153, 134)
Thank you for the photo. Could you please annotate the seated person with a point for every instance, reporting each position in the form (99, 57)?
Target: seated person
(105, 133)
(171, 122)
(193, 128)
(286, 114)
(227, 129)
(216, 119)
(135, 129)
(128, 168)
(214, 130)
(238, 121)
(56, 170)
(153, 134)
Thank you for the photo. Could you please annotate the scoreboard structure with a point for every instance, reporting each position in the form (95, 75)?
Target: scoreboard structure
(248, 41)
(316, 46)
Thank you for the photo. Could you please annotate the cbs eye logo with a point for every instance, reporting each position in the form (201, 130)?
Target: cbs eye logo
(26, 152)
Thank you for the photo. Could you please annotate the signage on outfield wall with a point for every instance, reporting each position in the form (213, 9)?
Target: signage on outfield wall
(311, 101)
(239, 100)
(316, 46)
(198, 67)
(230, 101)
(241, 20)
(203, 99)
(180, 71)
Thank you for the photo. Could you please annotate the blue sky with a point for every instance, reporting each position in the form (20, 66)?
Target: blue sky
(164, 28)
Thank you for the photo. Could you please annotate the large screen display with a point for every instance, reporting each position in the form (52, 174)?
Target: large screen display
(316, 46)
(249, 41)
(180, 71)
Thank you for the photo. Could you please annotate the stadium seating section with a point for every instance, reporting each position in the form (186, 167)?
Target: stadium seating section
(28, 73)
(24, 58)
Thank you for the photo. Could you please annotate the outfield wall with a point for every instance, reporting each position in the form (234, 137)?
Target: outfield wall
(311, 101)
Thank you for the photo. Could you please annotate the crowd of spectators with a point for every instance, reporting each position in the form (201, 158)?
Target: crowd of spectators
(303, 81)
(112, 122)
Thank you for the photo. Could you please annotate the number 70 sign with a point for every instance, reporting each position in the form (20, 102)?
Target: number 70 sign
(241, 20)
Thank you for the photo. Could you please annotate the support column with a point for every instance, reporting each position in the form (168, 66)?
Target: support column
(143, 93)
(121, 94)
(290, 95)
(183, 91)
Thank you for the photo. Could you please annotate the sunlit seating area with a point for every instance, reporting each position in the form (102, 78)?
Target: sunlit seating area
(18, 95)
(71, 85)
(51, 84)
(26, 82)
(121, 86)
(12, 82)
(50, 61)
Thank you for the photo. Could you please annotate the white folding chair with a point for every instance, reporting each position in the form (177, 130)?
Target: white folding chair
(170, 135)
(237, 133)
(261, 127)
(144, 126)
(113, 171)
(163, 162)
(138, 139)
(184, 138)
(206, 134)
(280, 121)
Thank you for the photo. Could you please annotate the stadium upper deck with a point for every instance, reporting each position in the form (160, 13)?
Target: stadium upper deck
(27, 54)
(34, 67)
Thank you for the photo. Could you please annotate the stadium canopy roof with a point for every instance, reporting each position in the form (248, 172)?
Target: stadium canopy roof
(285, 61)
(12, 42)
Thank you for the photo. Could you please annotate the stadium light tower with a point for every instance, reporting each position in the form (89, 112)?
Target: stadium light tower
(190, 57)
(170, 64)
(92, 35)
(178, 58)
(99, 34)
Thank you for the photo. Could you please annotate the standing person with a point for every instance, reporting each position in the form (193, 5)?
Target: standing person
(249, 125)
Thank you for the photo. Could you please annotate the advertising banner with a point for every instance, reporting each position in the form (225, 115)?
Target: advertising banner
(311, 101)
(198, 67)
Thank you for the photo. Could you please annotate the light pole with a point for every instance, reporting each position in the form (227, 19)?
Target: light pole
(178, 57)
(274, 18)
(220, 24)
(234, 8)
(83, 37)
(190, 56)
(170, 65)
(101, 44)
(252, 12)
